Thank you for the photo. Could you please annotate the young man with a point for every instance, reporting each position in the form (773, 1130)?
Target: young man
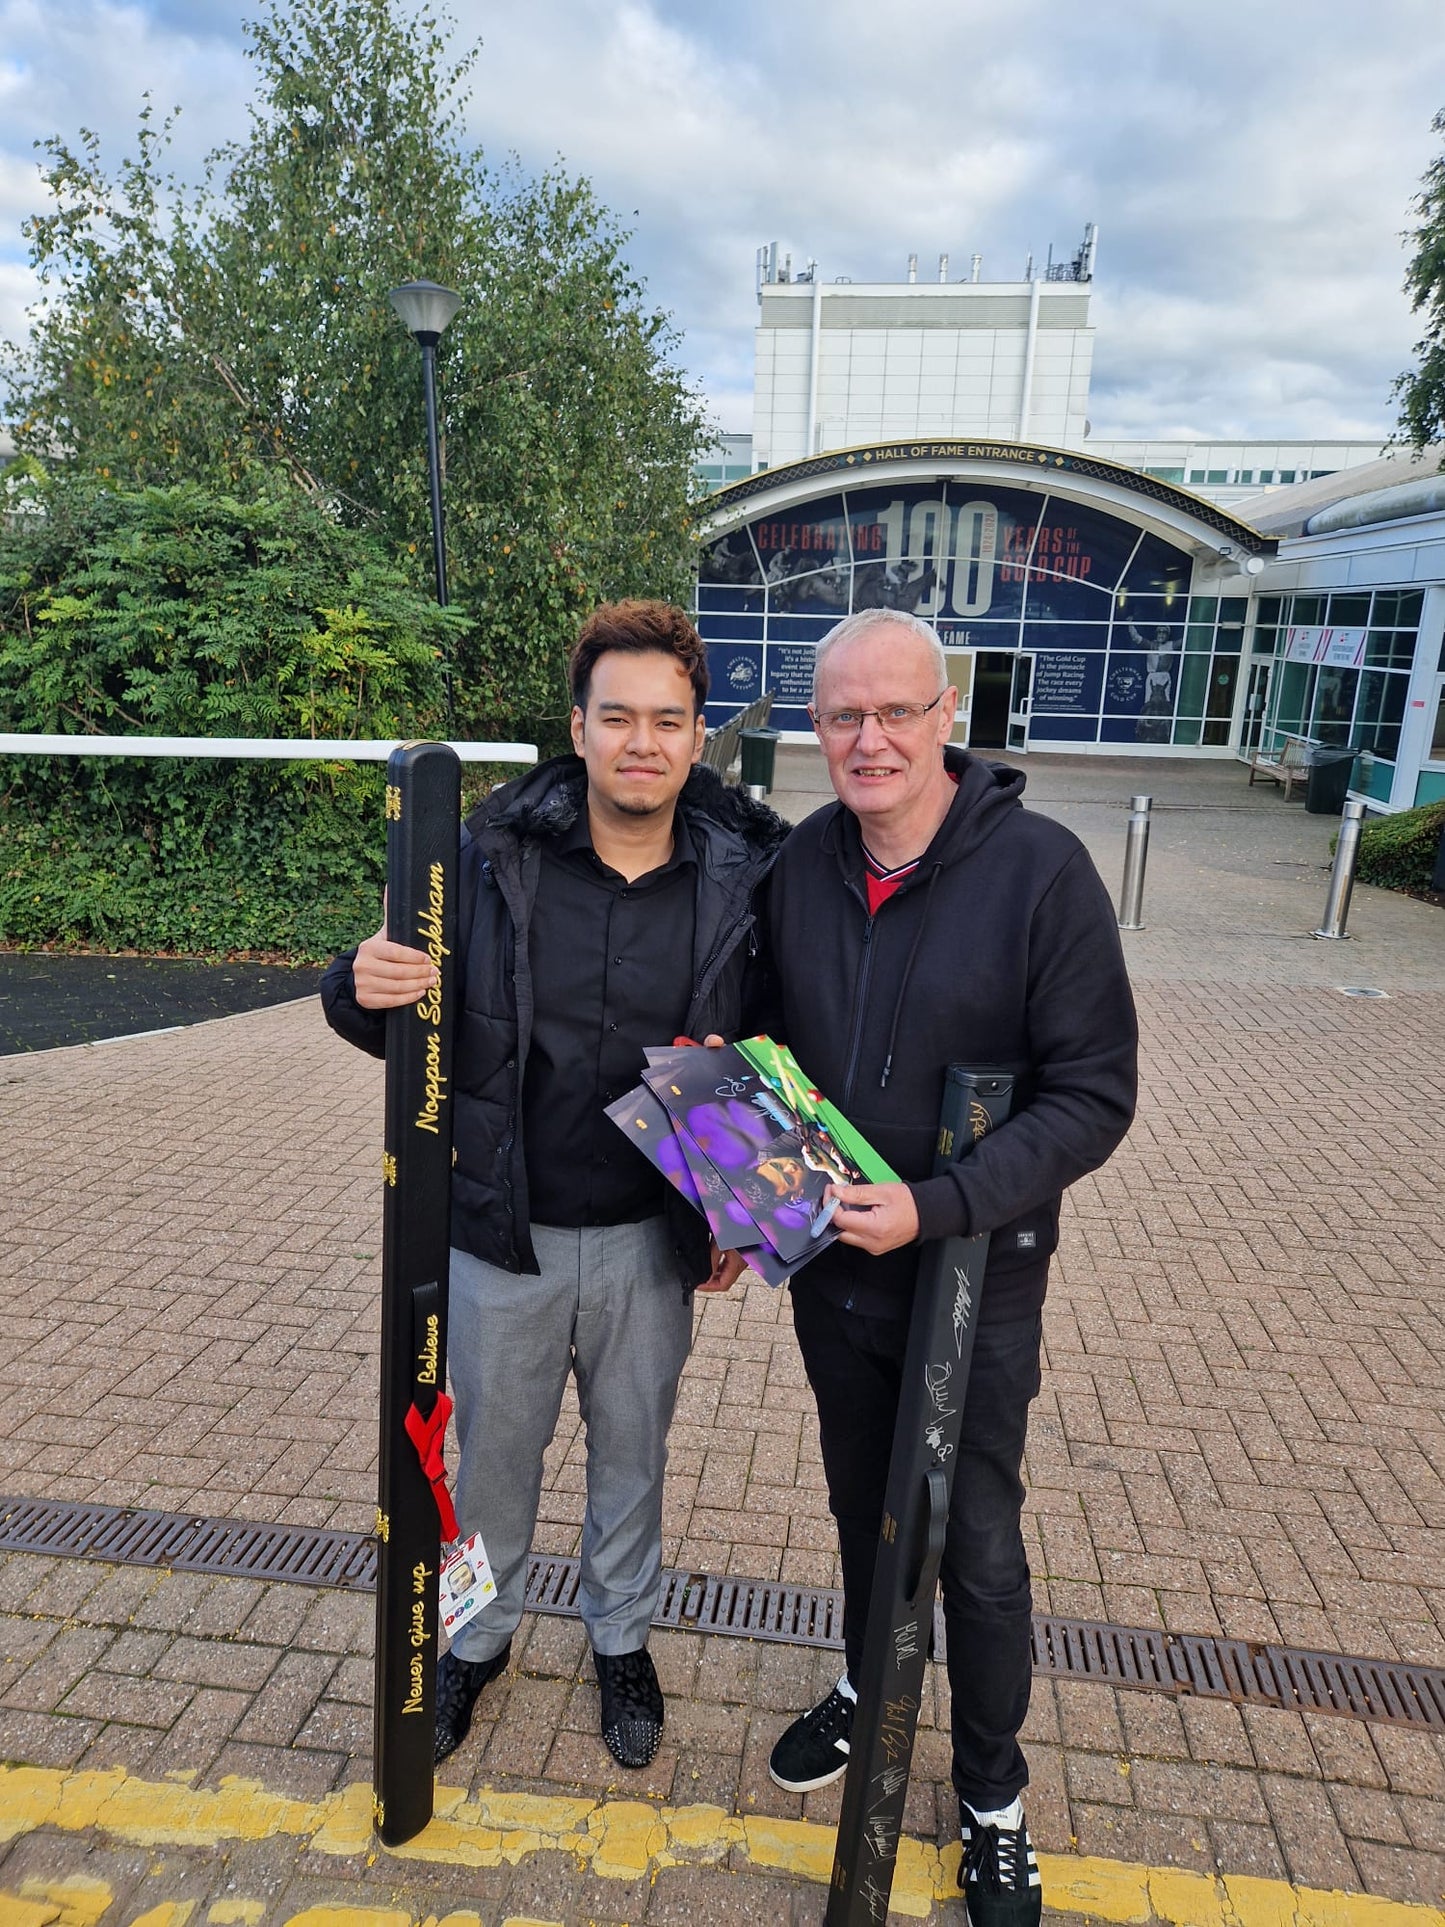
(922, 920)
(605, 905)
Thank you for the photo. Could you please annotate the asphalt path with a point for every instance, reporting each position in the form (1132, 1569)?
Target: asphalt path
(48, 1000)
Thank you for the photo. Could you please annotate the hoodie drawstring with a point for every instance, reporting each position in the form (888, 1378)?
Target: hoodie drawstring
(933, 877)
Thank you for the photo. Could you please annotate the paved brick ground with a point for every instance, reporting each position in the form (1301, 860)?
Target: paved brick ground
(1241, 1428)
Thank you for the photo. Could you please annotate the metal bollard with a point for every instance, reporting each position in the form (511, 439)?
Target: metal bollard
(1136, 851)
(1342, 876)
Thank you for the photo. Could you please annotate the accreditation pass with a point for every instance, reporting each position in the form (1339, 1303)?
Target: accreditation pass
(466, 1582)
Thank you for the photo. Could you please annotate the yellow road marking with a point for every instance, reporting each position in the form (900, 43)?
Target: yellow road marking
(614, 1839)
(77, 1902)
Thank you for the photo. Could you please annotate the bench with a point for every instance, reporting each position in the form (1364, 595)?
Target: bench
(1286, 765)
(724, 744)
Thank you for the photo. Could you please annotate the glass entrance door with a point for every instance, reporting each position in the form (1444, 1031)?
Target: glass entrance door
(959, 663)
(1020, 698)
(1256, 703)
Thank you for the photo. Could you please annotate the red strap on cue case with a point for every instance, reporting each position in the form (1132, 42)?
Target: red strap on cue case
(428, 1435)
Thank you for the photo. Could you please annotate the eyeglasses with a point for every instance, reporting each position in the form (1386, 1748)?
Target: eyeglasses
(894, 719)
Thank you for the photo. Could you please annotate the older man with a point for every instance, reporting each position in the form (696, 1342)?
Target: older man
(924, 919)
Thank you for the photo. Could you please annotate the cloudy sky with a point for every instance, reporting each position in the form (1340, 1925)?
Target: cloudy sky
(1250, 163)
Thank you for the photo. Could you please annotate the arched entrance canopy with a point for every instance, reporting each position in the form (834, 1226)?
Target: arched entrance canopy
(1068, 590)
(1086, 478)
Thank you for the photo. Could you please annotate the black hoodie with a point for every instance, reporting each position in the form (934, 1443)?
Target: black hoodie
(733, 841)
(1000, 951)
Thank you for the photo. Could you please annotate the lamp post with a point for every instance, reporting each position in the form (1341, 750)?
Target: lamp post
(424, 310)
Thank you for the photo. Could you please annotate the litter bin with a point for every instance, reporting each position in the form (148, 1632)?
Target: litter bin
(1327, 784)
(760, 750)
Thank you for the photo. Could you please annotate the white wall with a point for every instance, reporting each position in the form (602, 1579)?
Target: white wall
(935, 359)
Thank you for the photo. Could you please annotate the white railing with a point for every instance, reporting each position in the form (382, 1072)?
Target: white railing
(262, 748)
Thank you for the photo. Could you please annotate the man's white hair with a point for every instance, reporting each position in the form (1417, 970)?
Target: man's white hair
(865, 622)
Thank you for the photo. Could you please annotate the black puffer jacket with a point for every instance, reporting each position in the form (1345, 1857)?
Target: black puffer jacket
(1001, 951)
(734, 840)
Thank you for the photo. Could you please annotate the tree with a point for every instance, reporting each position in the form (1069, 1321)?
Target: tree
(174, 612)
(239, 328)
(1421, 390)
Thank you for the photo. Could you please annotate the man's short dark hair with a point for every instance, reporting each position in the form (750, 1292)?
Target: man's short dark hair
(638, 625)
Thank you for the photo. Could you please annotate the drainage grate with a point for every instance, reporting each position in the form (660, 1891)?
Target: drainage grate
(1246, 1672)
(1360, 990)
(238, 1548)
(701, 1602)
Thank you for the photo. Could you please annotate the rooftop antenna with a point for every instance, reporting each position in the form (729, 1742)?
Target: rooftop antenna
(943, 267)
(913, 267)
(975, 266)
(1029, 266)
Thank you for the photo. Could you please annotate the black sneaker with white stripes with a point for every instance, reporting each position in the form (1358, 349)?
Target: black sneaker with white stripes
(999, 1874)
(814, 1750)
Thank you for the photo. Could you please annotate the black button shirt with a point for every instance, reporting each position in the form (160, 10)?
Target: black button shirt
(611, 972)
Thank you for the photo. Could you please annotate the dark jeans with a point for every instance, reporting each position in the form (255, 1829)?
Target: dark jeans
(855, 1365)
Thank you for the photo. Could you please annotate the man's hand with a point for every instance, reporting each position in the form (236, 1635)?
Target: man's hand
(727, 1268)
(388, 975)
(875, 1217)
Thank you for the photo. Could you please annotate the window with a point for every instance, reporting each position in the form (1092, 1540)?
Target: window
(1286, 475)
(1398, 608)
(1196, 474)
(1193, 689)
(1296, 682)
(1333, 702)
(1437, 735)
(1379, 712)
(1214, 477)
(1390, 648)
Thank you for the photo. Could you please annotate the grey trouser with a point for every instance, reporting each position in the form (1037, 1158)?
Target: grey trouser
(609, 1307)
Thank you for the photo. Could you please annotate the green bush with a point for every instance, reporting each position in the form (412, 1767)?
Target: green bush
(178, 612)
(1398, 852)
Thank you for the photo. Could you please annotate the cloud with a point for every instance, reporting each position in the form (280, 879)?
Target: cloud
(1250, 170)
(1250, 167)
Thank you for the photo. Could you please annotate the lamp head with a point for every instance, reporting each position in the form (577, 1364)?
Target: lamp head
(425, 309)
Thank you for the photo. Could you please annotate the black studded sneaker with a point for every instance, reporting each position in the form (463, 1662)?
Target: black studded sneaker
(814, 1750)
(459, 1682)
(632, 1708)
(999, 1874)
